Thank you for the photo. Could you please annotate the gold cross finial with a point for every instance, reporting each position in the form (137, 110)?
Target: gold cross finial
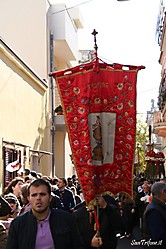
(95, 46)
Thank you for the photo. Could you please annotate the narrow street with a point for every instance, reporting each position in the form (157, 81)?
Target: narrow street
(133, 242)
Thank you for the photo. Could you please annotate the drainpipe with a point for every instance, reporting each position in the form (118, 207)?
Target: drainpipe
(52, 100)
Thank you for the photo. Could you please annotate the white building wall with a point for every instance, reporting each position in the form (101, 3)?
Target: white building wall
(23, 26)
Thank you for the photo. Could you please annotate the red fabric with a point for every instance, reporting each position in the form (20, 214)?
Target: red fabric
(100, 113)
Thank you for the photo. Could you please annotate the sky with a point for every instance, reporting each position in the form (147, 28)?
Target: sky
(126, 35)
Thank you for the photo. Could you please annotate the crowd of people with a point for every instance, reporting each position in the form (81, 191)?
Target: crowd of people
(38, 211)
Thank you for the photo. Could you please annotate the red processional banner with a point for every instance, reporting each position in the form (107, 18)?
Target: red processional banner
(99, 104)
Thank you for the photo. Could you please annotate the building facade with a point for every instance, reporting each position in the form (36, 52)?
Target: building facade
(42, 38)
(22, 106)
(159, 116)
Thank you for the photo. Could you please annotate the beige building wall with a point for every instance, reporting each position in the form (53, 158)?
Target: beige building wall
(24, 27)
(62, 155)
(22, 105)
(59, 154)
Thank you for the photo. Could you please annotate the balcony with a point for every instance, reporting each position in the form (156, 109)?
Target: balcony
(64, 27)
(159, 124)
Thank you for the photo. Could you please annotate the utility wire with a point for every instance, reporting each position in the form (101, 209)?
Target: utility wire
(77, 5)
(72, 7)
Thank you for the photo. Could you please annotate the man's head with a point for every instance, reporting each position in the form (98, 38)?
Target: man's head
(159, 191)
(39, 196)
(145, 188)
(40, 182)
(69, 182)
(34, 174)
(62, 183)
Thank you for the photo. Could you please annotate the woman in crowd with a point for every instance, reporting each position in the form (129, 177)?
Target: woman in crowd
(14, 187)
(77, 197)
(127, 206)
(24, 199)
(14, 204)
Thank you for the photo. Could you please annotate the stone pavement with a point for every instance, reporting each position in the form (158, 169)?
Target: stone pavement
(133, 242)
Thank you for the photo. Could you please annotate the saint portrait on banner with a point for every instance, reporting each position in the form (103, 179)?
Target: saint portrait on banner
(102, 137)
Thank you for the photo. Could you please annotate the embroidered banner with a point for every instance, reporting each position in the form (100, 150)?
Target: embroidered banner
(99, 104)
